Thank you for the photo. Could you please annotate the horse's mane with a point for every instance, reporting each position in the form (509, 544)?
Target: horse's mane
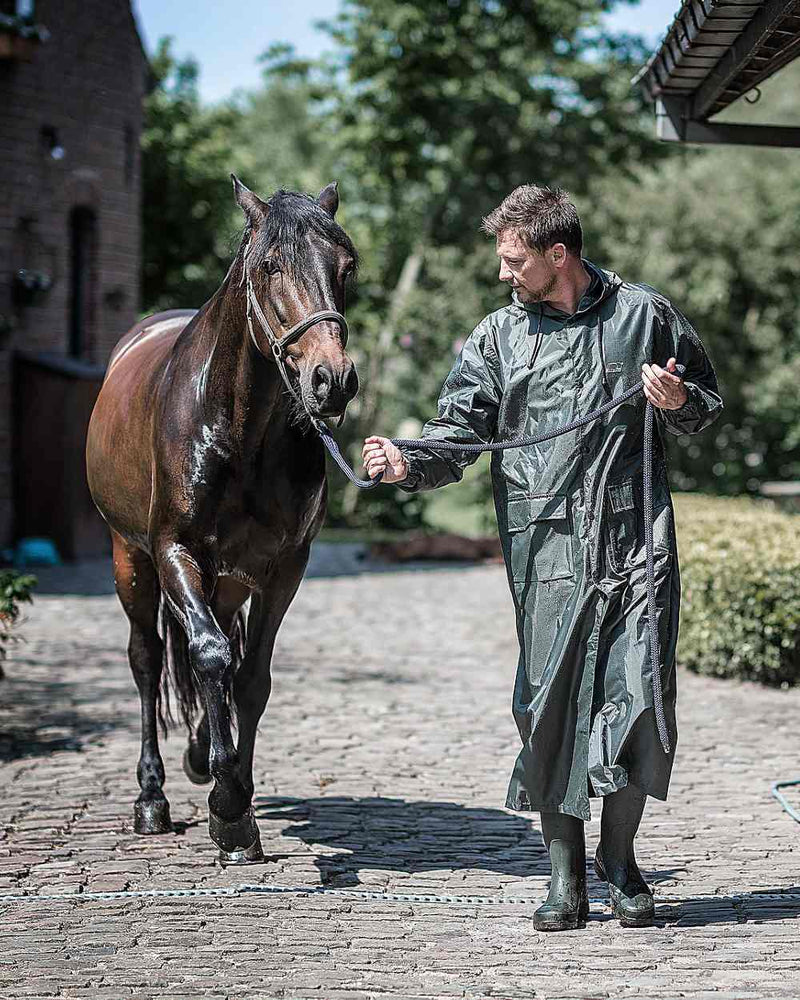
(291, 217)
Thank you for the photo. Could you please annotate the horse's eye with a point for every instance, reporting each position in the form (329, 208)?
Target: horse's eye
(272, 267)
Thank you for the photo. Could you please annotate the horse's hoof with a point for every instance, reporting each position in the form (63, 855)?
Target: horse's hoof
(152, 817)
(239, 842)
(253, 855)
(196, 777)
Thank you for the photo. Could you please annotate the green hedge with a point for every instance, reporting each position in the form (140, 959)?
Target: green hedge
(740, 569)
(14, 589)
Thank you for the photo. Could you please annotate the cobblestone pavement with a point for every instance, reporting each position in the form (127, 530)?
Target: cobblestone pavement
(382, 765)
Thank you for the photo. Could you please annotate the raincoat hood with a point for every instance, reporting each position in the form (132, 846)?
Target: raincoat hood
(602, 285)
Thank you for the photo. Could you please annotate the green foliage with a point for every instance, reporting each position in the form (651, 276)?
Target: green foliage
(715, 230)
(389, 510)
(278, 141)
(740, 570)
(190, 219)
(435, 110)
(455, 291)
(449, 101)
(428, 113)
(191, 223)
(432, 112)
(15, 589)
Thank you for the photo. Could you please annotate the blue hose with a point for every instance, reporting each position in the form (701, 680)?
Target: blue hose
(784, 804)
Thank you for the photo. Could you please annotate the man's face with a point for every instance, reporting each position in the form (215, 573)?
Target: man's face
(531, 274)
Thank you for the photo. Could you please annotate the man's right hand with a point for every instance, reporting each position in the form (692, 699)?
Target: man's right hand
(380, 455)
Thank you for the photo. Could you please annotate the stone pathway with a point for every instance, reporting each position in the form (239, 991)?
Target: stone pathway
(382, 766)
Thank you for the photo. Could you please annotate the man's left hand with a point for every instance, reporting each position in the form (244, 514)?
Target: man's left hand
(662, 388)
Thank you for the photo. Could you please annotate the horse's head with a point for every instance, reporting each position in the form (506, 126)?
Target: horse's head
(296, 260)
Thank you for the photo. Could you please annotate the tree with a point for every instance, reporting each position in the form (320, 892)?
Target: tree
(279, 141)
(435, 111)
(716, 230)
(189, 218)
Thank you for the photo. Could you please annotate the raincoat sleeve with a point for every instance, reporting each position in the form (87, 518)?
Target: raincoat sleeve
(674, 336)
(467, 411)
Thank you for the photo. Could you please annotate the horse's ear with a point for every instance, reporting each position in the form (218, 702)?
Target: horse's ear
(252, 206)
(329, 198)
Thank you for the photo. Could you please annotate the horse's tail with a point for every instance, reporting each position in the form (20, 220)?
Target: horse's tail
(178, 673)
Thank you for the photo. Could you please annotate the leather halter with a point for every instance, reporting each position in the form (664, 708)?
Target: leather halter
(278, 344)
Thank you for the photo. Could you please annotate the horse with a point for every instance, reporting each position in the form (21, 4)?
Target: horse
(204, 459)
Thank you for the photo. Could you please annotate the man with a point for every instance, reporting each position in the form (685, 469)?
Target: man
(571, 526)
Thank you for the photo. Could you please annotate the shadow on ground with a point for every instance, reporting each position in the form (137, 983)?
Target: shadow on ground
(416, 837)
(88, 578)
(94, 577)
(396, 835)
(763, 906)
(42, 717)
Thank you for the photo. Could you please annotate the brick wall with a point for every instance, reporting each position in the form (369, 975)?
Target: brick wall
(87, 83)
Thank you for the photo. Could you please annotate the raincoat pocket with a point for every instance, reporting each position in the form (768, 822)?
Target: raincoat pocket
(541, 537)
(625, 523)
(622, 520)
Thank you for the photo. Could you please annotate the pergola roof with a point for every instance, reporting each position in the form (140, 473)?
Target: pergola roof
(717, 50)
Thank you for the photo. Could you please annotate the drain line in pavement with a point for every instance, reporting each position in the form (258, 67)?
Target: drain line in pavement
(356, 894)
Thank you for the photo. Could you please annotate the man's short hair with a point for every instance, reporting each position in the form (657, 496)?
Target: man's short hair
(540, 216)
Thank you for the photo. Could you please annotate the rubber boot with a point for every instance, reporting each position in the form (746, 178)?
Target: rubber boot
(567, 904)
(615, 862)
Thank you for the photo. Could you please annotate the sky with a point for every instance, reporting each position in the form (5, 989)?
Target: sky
(227, 40)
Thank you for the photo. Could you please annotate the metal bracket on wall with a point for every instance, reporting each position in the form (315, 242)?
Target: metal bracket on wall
(674, 123)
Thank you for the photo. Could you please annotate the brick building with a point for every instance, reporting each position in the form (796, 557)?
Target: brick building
(73, 74)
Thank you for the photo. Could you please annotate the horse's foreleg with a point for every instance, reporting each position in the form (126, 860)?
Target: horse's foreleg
(230, 821)
(253, 681)
(252, 684)
(229, 596)
(138, 591)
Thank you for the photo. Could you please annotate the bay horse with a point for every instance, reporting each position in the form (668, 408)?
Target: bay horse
(203, 457)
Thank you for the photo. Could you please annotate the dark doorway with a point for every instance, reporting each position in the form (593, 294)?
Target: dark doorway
(83, 239)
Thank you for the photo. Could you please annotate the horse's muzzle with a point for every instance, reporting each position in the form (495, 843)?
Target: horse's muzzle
(331, 391)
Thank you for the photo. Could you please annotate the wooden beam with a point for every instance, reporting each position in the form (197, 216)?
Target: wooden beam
(674, 124)
(740, 53)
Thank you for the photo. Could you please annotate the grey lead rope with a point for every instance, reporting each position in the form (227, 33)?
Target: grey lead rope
(438, 445)
(523, 442)
(652, 615)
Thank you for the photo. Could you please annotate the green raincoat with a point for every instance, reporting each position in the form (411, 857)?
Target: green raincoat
(571, 526)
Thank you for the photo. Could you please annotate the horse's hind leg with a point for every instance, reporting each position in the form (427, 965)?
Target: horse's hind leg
(138, 591)
(195, 756)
